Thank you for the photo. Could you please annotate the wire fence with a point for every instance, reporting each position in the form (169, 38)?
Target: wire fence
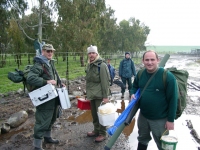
(69, 65)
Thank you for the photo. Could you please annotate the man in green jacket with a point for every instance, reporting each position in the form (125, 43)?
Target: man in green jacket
(42, 73)
(97, 89)
(158, 102)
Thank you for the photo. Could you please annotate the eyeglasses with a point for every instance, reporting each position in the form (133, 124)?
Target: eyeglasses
(49, 51)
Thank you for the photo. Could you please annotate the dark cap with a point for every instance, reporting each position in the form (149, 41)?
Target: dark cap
(127, 53)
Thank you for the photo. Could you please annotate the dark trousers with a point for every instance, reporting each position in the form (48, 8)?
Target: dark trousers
(45, 117)
(145, 126)
(98, 128)
(129, 82)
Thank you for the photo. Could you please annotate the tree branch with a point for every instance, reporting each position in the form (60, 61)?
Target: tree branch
(20, 27)
(31, 26)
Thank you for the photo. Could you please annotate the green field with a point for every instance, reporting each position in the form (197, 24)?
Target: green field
(172, 49)
(74, 69)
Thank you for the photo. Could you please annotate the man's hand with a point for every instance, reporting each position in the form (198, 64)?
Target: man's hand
(53, 82)
(169, 125)
(105, 100)
(133, 96)
(63, 85)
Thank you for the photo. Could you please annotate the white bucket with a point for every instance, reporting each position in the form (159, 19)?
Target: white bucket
(107, 119)
(168, 142)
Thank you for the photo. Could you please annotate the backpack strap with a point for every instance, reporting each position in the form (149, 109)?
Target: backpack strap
(45, 70)
(140, 72)
(99, 65)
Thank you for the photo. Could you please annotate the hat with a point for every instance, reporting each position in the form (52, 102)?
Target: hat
(48, 47)
(92, 49)
(127, 53)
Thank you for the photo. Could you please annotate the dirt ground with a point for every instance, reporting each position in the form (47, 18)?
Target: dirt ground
(71, 128)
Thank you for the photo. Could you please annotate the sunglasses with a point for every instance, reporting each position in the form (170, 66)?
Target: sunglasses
(49, 51)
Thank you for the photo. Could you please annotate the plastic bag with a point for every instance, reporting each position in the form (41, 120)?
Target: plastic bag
(107, 108)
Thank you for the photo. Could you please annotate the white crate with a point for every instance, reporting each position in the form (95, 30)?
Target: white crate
(43, 94)
(64, 97)
(107, 119)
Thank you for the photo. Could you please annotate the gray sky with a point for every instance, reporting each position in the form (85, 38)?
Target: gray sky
(172, 22)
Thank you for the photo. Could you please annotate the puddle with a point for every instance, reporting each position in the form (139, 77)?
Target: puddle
(86, 116)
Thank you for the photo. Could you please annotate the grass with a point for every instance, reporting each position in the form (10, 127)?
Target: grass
(74, 69)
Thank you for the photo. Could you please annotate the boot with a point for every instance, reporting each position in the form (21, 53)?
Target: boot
(122, 95)
(50, 140)
(142, 146)
(37, 143)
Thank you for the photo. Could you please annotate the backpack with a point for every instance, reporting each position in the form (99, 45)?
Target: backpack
(181, 79)
(16, 76)
(111, 71)
(20, 76)
(26, 85)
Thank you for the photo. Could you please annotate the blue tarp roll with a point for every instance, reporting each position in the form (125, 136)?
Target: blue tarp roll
(124, 114)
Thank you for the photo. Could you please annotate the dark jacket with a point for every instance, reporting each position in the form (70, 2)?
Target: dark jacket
(127, 68)
(41, 72)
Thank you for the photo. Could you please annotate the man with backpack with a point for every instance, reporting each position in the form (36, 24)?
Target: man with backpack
(126, 72)
(43, 72)
(158, 103)
(97, 89)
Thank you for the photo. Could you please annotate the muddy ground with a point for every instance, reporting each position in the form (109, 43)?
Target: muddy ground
(71, 128)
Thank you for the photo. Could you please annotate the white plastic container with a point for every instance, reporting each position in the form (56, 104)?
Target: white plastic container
(43, 94)
(107, 119)
(64, 98)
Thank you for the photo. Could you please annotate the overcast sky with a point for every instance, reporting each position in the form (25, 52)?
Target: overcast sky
(172, 22)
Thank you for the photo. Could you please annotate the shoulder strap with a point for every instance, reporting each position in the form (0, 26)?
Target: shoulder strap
(140, 72)
(59, 80)
(45, 70)
(164, 77)
(99, 65)
(148, 83)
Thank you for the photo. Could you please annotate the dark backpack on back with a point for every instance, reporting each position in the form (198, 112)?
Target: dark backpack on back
(111, 72)
(181, 79)
(16, 76)
(20, 76)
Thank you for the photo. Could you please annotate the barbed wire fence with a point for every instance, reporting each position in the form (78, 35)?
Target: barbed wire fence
(69, 65)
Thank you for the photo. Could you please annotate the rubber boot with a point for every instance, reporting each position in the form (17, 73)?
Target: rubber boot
(122, 95)
(142, 146)
(49, 139)
(37, 143)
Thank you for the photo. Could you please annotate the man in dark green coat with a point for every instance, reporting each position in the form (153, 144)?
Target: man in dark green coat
(42, 73)
(97, 89)
(126, 72)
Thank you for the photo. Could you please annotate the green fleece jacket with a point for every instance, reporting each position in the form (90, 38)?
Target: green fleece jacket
(158, 100)
(97, 80)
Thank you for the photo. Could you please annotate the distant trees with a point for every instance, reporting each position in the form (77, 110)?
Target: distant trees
(79, 24)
